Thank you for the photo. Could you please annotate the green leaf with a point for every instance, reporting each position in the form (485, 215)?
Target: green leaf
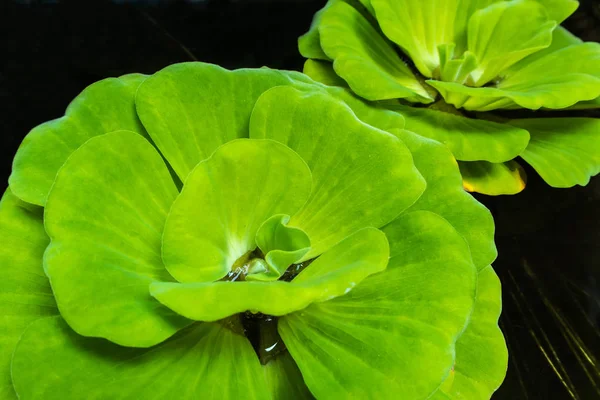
(102, 107)
(410, 24)
(322, 71)
(469, 139)
(357, 170)
(190, 109)
(105, 216)
(493, 178)
(564, 151)
(366, 6)
(225, 200)
(333, 274)
(557, 71)
(420, 27)
(460, 17)
(282, 245)
(481, 353)
(553, 81)
(365, 59)
(201, 362)
(444, 193)
(561, 38)
(498, 38)
(309, 44)
(374, 113)
(397, 329)
(559, 10)
(456, 69)
(445, 196)
(285, 380)
(25, 293)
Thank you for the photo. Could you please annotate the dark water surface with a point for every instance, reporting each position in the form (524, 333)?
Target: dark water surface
(548, 239)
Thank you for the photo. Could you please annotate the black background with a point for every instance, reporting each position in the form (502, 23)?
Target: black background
(548, 239)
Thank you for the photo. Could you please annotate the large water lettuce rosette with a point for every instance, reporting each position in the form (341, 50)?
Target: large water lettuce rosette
(457, 69)
(204, 233)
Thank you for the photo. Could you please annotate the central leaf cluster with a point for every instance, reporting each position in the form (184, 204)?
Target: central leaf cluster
(278, 247)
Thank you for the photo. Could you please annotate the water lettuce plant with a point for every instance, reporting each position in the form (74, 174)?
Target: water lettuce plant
(458, 70)
(247, 234)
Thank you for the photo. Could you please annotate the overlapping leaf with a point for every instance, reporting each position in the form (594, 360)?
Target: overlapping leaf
(469, 139)
(25, 293)
(397, 329)
(552, 81)
(333, 274)
(564, 151)
(408, 24)
(105, 216)
(190, 109)
(225, 200)
(364, 58)
(282, 246)
(444, 196)
(477, 374)
(102, 107)
(355, 176)
(285, 379)
(203, 361)
(498, 38)
(322, 71)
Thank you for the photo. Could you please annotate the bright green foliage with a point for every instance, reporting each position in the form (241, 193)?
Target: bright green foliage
(212, 106)
(333, 274)
(497, 39)
(206, 361)
(285, 379)
(365, 59)
(476, 374)
(316, 248)
(322, 71)
(282, 246)
(225, 200)
(564, 151)
(355, 176)
(552, 81)
(105, 216)
(25, 294)
(102, 107)
(468, 139)
(405, 23)
(493, 178)
(450, 64)
(386, 312)
(445, 196)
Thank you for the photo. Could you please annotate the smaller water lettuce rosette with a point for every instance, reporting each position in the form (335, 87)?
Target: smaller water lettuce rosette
(458, 70)
(205, 233)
